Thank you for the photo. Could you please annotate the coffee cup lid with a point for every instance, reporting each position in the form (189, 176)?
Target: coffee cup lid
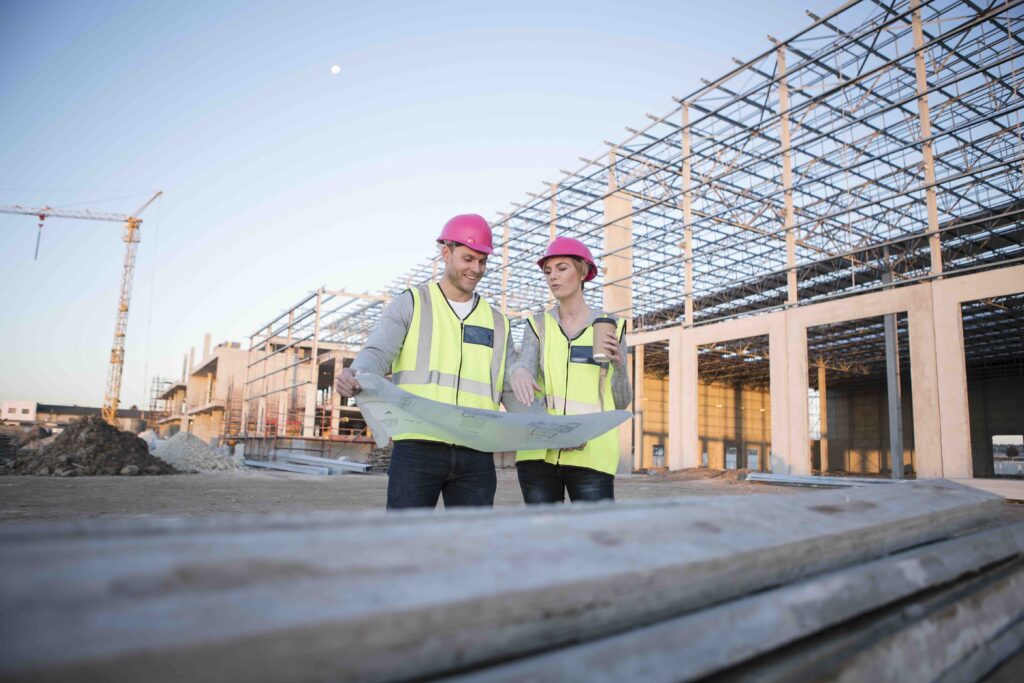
(610, 321)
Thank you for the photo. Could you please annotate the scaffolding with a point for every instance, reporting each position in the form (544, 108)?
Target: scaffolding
(882, 138)
(878, 147)
(159, 407)
(289, 383)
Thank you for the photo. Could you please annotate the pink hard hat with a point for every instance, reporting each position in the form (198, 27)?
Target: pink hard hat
(469, 230)
(567, 246)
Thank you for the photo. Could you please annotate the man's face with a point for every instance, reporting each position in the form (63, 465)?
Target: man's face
(463, 267)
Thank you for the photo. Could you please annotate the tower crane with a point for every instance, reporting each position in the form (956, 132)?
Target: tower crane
(131, 240)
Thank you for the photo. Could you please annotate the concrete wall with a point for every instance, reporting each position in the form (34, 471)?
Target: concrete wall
(938, 371)
(214, 389)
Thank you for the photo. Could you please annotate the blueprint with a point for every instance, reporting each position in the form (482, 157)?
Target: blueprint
(389, 410)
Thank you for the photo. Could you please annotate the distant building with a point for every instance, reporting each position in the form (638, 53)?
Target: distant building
(19, 412)
(57, 416)
(207, 401)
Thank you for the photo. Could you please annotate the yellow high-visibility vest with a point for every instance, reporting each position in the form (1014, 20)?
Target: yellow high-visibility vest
(443, 358)
(574, 384)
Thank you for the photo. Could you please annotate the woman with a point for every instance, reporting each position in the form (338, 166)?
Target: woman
(556, 365)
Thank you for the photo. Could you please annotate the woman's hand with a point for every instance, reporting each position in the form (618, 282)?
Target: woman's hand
(613, 350)
(523, 385)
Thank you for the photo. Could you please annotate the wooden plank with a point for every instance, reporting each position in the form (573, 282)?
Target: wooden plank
(374, 596)
(704, 642)
(934, 638)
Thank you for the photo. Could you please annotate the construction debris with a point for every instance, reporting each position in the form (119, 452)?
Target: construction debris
(380, 458)
(14, 437)
(700, 473)
(188, 453)
(820, 480)
(334, 466)
(88, 446)
(39, 444)
(288, 467)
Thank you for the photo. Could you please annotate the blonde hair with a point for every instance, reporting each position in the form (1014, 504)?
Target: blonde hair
(582, 267)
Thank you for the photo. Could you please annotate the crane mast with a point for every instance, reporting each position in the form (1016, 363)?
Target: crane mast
(131, 237)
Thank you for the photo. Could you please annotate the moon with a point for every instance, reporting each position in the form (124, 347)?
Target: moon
(335, 69)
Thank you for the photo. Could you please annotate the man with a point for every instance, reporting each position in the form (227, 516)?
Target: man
(443, 342)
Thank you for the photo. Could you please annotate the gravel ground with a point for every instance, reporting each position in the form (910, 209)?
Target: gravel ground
(25, 498)
(51, 498)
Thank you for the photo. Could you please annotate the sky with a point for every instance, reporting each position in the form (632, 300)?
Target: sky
(279, 176)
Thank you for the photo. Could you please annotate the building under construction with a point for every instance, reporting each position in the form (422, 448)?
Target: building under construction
(820, 255)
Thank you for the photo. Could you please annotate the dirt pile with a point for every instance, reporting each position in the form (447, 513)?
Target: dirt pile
(40, 444)
(87, 447)
(189, 454)
(22, 436)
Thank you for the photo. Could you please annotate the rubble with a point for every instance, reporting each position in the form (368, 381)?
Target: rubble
(39, 444)
(87, 447)
(188, 453)
(380, 458)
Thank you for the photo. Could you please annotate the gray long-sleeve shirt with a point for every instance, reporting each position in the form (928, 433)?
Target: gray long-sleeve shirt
(386, 340)
(529, 358)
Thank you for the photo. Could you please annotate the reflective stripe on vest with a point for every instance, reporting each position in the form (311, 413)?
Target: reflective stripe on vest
(441, 361)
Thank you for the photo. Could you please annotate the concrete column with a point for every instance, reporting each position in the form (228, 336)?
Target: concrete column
(191, 362)
(927, 159)
(309, 409)
(954, 423)
(184, 368)
(285, 378)
(504, 268)
(638, 407)
(924, 378)
(618, 240)
(687, 217)
(787, 363)
(336, 400)
(261, 417)
(552, 219)
(787, 176)
(689, 394)
(677, 433)
(823, 412)
(206, 346)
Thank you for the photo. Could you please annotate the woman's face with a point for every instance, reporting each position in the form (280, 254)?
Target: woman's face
(562, 275)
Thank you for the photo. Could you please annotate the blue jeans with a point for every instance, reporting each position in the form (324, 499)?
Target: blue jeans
(543, 482)
(422, 471)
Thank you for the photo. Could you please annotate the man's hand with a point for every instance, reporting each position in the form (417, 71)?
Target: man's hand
(346, 383)
(523, 385)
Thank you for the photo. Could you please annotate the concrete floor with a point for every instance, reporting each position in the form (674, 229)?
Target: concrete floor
(53, 498)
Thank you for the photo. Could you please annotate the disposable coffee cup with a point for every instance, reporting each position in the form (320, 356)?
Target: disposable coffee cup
(604, 332)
